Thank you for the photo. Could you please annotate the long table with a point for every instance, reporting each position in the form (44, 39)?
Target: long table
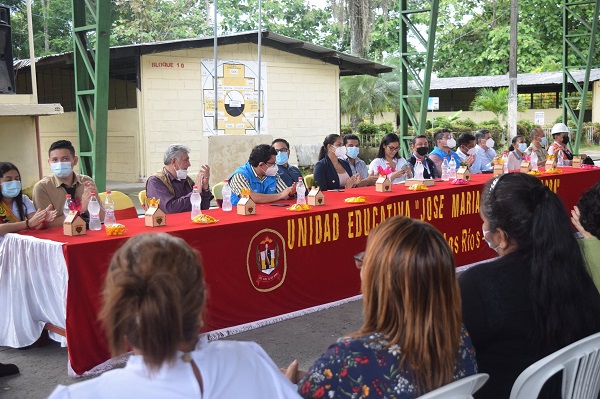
(276, 261)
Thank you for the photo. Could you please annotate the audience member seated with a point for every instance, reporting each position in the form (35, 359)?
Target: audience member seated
(538, 144)
(16, 209)
(259, 176)
(466, 150)
(173, 186)
(419, 147)
(52, 190)
(332, 172)
(538, 296)
(412, 340)
(586, 219)
(485, 152)
(288, 173)
(153, 301)
(516, 151)
(358, 166)
(388, 158)
(444, 143)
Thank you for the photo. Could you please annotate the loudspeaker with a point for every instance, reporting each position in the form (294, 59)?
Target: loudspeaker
(7, 76)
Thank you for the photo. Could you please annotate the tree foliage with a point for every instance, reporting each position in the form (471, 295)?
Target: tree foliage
(495, 101)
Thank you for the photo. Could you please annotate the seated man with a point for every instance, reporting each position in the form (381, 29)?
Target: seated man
(357, 165)
(259, 176)
(538, 144)
(288, 173)
(485, 151)
(443, 150)
(52, 190)
(466, 150)
(419, 146)
(173, 186)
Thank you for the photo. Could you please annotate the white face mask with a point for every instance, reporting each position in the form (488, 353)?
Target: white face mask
(271, 170)
(471, 151)
(489, 143)
(544, 141)
(522, 147)
(488, 243)
(61, 169)
(181, 173)
(340, 152)
(451, 142)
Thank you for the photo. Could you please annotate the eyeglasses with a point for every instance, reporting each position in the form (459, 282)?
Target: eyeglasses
(282, 150)
(358, 259)
(270, 163)
(393, 148)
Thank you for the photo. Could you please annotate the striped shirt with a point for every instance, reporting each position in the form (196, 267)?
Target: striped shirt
(239, 182)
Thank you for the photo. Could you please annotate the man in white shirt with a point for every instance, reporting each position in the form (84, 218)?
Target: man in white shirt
(485, 152)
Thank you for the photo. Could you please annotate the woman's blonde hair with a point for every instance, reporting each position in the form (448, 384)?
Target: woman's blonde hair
(411, 295)
(153, 297)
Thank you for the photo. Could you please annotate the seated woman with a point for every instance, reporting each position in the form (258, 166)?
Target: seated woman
(538, 296)
(153, 301)
(586, 219)
(516, 151)
(331, 171)
(412, 340)
(387, 157)
(16, 209)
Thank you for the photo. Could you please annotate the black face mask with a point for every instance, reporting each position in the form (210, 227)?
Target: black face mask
(565, 140)
(422, 151)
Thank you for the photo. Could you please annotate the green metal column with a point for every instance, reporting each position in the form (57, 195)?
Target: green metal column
(91, 34)
(414, 98)
(579, 39)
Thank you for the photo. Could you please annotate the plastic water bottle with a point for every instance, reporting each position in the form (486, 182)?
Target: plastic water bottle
(94, 210)
(195, 200)
(68, 205)
(533, 160)
(452, 169)
(109, 210)
(505, 163)
(560, 160)
(226, 192)
(300, 192)
(419, 170)
(445, 168)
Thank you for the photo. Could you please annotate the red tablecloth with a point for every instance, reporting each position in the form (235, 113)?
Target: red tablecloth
(312, 253)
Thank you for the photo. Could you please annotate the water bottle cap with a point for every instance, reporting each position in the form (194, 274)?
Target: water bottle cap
(226, 180)
(107, 192)
(300, 179)
(92, 194)
(196, 187)
(68, 196)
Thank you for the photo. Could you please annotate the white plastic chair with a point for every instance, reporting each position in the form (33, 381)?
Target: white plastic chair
(461, 389)
(580, 364)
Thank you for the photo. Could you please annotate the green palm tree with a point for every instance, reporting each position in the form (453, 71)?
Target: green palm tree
(495, 101)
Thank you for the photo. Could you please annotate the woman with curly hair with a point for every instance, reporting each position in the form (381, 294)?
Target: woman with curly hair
(586, 218)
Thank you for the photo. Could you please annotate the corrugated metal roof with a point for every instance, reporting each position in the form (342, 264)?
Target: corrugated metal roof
(348, 64)
(523, 79)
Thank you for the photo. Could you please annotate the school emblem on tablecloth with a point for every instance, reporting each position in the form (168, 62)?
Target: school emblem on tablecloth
(266, 260)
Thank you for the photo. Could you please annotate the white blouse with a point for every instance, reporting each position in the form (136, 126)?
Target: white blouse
(400, 163)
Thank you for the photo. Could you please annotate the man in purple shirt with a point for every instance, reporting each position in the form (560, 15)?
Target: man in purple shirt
(173, 186)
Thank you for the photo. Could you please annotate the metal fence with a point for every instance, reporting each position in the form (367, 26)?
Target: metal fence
(587, 134)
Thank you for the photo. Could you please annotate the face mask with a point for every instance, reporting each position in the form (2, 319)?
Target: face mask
(281, 158)
(488, 243)
(61, 169)
(471, 151)
(451, 142)
(11, 188)
(422, 151)
(544, 141)
(340, 152)
(566, 140)
(181, 173)
(271, 170)
(352, 152)
(489, 143)
(522, 147)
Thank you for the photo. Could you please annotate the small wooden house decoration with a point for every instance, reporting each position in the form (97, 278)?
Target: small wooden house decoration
(525, 167)
(576, 162)
(245, 205)
(154, 216)
(383, 184)
(425, 182)
(315, 197)
(74, 225)
(498, 169)
(463, 173)
(550, 162)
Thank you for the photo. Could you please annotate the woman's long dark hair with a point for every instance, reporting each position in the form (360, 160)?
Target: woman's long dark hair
(7, 167)
(329, 140)
(566, 303)
(386, 140)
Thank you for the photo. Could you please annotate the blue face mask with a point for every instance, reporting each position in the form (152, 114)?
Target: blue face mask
(61, 169)
(11, 188)
(281, 158)
(352, 152)
(522, 147)
(544, 141)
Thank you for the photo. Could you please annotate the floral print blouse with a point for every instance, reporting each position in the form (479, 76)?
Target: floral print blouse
(367, 367)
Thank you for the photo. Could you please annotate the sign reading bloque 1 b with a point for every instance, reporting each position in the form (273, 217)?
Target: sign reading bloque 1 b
(237, 97)
(433, 103)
